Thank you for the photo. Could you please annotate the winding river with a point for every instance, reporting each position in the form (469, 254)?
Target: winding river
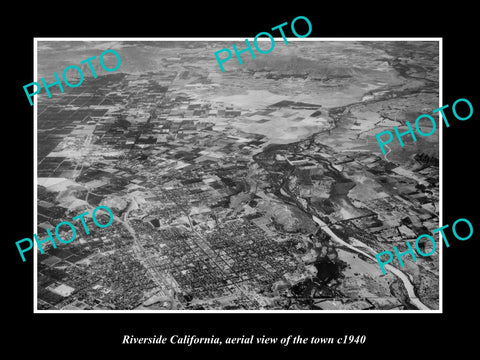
(406, 282)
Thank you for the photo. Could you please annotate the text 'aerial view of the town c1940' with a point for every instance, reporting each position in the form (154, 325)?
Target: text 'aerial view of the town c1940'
(258, 188)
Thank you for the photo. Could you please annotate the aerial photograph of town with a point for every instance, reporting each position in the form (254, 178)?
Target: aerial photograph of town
(261, 187)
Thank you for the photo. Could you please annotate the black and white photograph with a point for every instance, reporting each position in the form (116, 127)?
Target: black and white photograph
(258, 188)
(269, 180)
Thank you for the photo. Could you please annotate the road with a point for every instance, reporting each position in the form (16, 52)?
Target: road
(204, 246)
(142, 255)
